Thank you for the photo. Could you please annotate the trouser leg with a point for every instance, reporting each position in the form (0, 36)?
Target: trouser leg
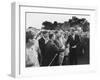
(61, 58)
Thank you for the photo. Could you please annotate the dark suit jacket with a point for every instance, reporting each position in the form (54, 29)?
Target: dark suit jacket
(72, 42)
(42, 49)
(41, 44)
(51, 50)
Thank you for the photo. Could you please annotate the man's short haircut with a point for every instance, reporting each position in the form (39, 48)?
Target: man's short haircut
(56, 32)
(44, 32)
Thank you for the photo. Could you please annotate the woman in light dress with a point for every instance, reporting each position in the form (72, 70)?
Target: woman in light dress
(59, 42)
(32, 50)
(66, 53)
(63, 57)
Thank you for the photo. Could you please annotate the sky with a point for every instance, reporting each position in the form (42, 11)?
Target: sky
(36, 19)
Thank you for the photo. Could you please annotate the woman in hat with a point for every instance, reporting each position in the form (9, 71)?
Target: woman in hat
(32, 50)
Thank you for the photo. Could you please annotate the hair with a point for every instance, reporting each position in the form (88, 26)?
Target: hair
(44, 32)
(73, 29)
(56, 32)
(30, 27)
(29, 35)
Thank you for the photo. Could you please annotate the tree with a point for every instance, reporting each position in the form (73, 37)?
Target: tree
(55, 25)
(47, 25)
(73, 22)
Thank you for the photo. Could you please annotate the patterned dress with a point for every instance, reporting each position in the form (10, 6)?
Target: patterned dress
(32, 55)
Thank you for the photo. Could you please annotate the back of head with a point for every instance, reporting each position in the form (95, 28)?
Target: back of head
(29, 35)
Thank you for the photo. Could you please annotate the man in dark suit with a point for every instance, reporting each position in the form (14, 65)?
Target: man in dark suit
(51, 51)
(42, 43)
(73, 41)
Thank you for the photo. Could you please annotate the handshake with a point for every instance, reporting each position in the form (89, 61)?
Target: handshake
(74, 46)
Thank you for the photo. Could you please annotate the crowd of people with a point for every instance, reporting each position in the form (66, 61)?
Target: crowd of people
(56, 47)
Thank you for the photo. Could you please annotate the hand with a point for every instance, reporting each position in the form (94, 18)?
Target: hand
(63, 47)
(68, 46)
(74, 46)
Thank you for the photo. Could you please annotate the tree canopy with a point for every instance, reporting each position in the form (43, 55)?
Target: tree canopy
(81, 22)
